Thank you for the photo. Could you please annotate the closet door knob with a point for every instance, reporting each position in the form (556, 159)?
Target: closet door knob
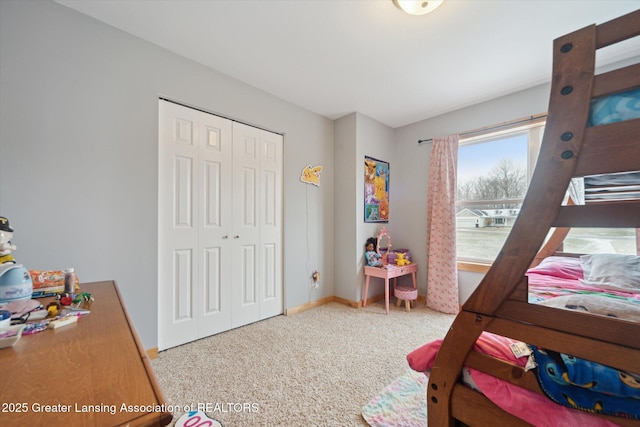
(225, 237)
(236, 237)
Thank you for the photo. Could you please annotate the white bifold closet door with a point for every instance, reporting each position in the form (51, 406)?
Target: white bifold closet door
(219, 224)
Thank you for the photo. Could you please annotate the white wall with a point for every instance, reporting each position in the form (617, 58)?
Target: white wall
(78, 153)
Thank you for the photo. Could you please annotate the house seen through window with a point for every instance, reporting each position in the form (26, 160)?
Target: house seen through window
(494, 171)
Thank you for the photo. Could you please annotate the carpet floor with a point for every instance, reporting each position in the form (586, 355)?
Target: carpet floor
(319, 367)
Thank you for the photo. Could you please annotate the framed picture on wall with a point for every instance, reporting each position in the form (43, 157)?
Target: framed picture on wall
(376, 190)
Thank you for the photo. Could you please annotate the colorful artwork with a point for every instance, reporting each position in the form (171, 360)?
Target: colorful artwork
(376, 190)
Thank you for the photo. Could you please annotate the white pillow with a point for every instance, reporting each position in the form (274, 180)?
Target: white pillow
(612, 271)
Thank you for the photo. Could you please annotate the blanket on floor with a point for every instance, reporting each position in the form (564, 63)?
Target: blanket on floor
(401, 404)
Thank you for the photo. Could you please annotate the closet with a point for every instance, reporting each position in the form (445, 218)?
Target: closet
(219, 224)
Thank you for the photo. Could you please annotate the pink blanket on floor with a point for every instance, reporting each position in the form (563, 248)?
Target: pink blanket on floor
(527, 405)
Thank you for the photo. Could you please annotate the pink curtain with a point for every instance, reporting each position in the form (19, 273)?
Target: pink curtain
(442, 271)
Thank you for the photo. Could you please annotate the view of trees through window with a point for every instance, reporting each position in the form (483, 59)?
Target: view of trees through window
(492, 182)
(493, 177)
(505, 180)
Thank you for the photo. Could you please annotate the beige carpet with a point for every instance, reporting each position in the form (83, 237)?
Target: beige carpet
(315, 368)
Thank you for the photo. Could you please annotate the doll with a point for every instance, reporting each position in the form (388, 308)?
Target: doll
(372, 256)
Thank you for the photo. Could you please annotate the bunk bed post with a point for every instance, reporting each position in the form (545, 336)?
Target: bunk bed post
(445, 372)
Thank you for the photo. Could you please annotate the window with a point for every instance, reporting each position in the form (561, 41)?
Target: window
(494, 171)
(600, 241)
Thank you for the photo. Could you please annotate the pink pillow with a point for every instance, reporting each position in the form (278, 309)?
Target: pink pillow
(563, 267)
(422, 358)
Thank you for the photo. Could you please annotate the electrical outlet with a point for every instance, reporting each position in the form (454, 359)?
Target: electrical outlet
(315, 278)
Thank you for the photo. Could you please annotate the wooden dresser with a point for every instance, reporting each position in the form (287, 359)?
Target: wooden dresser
(91, 373)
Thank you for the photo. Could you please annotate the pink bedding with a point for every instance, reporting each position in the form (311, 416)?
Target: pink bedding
(542, 287)
(527, 405)
(560, 276)
(555, 279)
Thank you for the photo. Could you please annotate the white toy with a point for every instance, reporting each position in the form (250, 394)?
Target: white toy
(6, 247)
(15, 280)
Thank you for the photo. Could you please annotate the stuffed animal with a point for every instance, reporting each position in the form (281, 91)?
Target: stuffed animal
(401, 260)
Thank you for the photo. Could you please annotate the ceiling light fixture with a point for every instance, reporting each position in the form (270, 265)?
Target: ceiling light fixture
(417, 7)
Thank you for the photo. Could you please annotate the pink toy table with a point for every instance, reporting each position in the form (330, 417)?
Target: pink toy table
(387, 272)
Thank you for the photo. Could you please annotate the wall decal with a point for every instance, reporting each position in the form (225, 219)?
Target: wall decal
(311, 175)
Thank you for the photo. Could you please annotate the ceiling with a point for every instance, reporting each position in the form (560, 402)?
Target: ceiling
(335, 57)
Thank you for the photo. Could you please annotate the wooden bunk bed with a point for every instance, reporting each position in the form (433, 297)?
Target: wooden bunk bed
(500, 305)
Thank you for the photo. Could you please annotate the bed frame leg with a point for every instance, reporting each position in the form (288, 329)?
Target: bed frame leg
(462, 335)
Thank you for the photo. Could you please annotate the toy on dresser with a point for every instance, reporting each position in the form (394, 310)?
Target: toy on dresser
(401, 260)
(6, 246)
(371, 255)
(15, 281)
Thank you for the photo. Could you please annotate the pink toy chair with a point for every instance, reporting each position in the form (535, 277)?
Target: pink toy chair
(407, 294)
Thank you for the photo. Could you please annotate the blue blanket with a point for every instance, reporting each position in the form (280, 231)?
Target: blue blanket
(588, 386)
(615, 108)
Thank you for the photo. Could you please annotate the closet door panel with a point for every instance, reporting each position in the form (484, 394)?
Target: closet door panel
(214, 243)
(269, 279)
(212, 189)
(177, 226)
(269, 182)
(248, 190)
(248, 286)
(215, 304)
(183, 192)
(270, 224)
(182, 286)
(212, 298)
(246, 166)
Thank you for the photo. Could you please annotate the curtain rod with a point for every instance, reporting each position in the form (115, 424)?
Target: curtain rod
(511, 123)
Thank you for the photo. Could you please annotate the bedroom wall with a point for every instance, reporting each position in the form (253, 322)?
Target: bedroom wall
(356, 136)
(374, 139)
(345, 210)
(411, 224)
(78, 153)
